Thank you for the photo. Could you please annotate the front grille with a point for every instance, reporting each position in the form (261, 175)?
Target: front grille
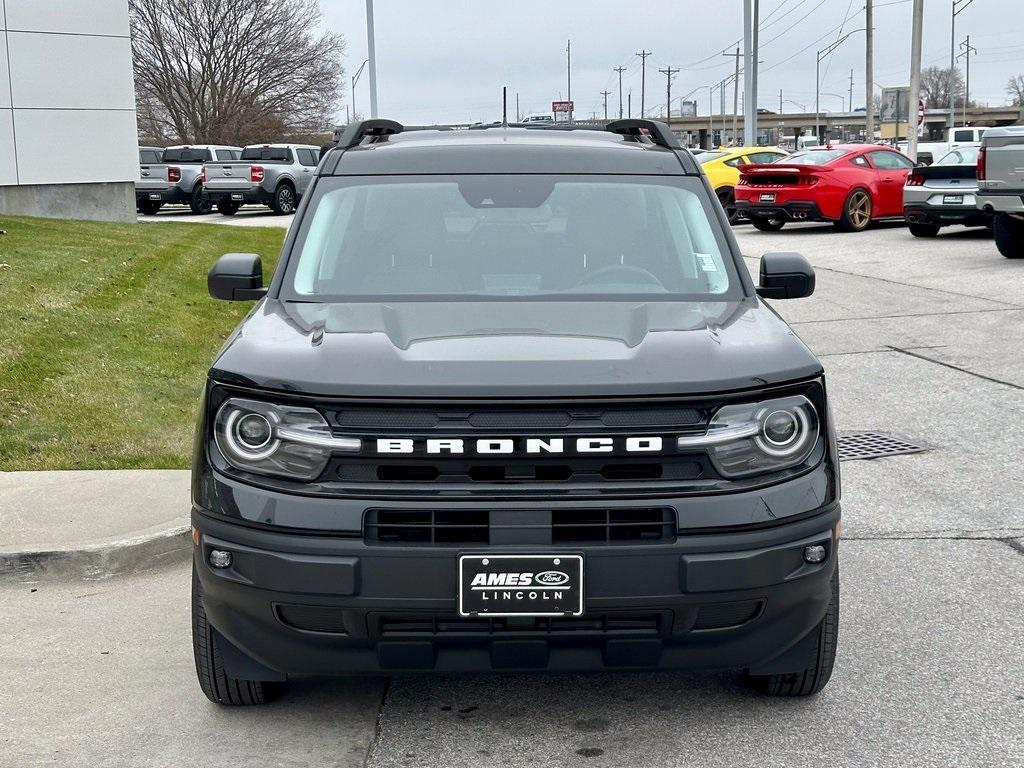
(625, 525)
(395, 626)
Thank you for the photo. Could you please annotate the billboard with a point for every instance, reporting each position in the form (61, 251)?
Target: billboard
(895, 105)
(686, 109)
(562, 111)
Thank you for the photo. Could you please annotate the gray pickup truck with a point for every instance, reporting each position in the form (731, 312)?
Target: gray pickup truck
(268, 174)
(175, 176)
(1001, 186)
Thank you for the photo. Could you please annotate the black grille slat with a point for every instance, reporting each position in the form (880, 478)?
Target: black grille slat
(454, 627)
(567, 526)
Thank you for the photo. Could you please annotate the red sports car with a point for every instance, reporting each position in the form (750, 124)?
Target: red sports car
(848, 184)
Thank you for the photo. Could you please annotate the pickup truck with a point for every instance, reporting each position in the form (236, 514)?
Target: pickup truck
(267, 174)
(930, 151)
(179, 168)
(152, 182)
(1001, 186)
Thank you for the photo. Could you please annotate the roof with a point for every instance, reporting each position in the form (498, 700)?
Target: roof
(508, 149)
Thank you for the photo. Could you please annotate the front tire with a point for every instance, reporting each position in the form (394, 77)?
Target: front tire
(727, 197)
(857, 209)
(219, 687)
(284, 200)
(767, 225)
(924, 230)
(819, 664)
(227, 207)
(1009, 234)
(198, 202)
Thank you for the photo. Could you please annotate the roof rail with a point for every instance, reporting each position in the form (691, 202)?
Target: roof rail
(353, 134)
(657, 131)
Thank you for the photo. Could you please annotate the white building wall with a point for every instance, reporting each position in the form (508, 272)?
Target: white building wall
(67, 97)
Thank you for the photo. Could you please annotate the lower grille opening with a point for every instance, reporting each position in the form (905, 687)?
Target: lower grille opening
(313, 618)
(606, 526)
(474, 526)
(632, 472)
(406, 625)
(722, 615)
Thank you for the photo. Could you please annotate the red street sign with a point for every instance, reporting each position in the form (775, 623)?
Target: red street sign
(561, 106)
(920, 112)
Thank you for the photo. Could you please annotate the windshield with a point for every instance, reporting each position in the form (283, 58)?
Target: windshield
(508, 237)
(815, 157)
(185, 156)
(962, 156)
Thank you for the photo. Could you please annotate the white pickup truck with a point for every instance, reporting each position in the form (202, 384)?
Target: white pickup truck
(930, 151)
(1001, 186)
(269, 174)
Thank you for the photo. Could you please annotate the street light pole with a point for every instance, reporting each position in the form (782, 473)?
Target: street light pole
(355, 79)
(915, 78)
(370, 49)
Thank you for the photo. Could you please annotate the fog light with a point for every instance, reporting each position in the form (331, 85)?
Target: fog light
(221, 559)
(815, 554)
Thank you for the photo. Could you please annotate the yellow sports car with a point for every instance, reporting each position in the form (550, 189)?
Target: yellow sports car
(722, 167)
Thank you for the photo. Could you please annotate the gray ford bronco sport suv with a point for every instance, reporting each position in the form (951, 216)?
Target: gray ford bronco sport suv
(511, 401)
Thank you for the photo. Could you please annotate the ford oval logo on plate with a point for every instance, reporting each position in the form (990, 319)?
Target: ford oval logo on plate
(551, 578)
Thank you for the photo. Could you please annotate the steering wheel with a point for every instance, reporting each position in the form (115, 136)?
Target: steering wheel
(631, 273)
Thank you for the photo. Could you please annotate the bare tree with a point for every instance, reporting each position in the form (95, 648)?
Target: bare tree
(233, 71)
(1015, 90)
(938, 85)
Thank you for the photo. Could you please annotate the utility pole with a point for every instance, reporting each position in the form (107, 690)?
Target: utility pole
(371, 52)
(735, 93)
(750, 60)
(958, 7)
(968, 50)
(669, 73)
(869, 73)
(605, 95)
(519, 116)
(780, 101)
(915, 78)
(711, 116)
(851, 90)
(568, 74)
(620, 70)
(643, 79)
(629, 104)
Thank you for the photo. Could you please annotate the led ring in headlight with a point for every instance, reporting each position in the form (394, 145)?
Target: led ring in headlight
(784, 431)
(249, 435)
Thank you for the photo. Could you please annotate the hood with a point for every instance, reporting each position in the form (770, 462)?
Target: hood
(512, 349)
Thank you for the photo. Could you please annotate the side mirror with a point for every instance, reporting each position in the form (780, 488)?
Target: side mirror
(237, 277)
(785, 276)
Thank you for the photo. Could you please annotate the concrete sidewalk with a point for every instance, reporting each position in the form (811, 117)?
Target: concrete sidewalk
(91, 523)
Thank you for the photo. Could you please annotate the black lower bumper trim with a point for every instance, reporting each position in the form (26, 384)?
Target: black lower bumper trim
(800, 210)
(945, 216)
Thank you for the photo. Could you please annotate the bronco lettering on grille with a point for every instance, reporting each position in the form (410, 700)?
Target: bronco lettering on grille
(529, 446)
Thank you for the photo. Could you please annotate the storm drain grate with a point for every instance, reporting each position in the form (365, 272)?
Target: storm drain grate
(873, 445)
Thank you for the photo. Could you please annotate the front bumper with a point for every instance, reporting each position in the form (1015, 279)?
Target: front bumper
(796, 210)
(946, 215)
(299, 604)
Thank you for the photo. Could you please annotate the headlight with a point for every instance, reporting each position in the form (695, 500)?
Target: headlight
(279, 440)
(754, 438)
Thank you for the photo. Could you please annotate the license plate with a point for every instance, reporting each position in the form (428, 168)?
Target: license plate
(520, 585)
(237, 196)
(154, 195)
(953, 199)
(768, 198)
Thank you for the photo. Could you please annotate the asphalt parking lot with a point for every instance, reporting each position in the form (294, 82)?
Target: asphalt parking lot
(919, 338)
(248, 216)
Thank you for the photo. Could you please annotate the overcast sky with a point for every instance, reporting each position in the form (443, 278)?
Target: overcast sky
(446, 60)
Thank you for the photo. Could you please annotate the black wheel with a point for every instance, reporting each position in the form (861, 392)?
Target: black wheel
(1009, 234)
(218, 686)
(816, 674)
(856, 216)
(150, 207)
(727, 197)
(924, 230)
(199, 202)
(284, 199)
(767, 225)
(227, 207)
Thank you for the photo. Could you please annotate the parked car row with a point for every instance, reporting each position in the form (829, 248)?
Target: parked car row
(209, 176)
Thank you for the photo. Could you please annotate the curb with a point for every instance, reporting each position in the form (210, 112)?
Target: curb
(102, 560)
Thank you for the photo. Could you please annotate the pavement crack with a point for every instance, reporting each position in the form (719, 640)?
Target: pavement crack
(906, 315)
(1014, 544)
(879, 351)
(954, 367)
(378, 726)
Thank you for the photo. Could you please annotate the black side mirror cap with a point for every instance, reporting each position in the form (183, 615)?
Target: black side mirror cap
(237, 277)
(785, 276)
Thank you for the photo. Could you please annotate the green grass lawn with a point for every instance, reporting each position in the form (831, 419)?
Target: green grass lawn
(106, 333)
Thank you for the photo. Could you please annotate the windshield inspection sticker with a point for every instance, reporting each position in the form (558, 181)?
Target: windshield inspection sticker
(706, 262)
